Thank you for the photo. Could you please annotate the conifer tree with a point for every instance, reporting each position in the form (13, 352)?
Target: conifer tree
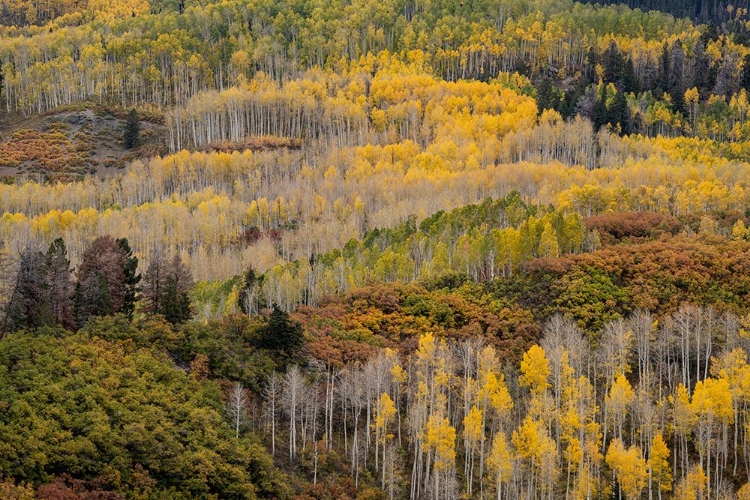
(30, 306)
(166, 289)
(283, 335)
(60, 283)
(132, 130)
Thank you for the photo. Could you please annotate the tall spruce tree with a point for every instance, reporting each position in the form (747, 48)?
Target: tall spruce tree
(282, 335)
(132, 278)
(166, 288)
(30, 305)
(60, 282)
(132, 130)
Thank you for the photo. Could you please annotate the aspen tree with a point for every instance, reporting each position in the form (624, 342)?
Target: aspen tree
(236, 407)
(538, 454)
(534, 374)
(473, 435)
(694, 486)
(618, 403)
(660, 475)
(500, 462)
(386, 413)
(440, 439)
(629, 468)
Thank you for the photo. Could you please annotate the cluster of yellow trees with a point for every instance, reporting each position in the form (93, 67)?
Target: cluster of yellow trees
(401, 101)
(22, 12)
(202, 205)
(166, 51)
(577, 418)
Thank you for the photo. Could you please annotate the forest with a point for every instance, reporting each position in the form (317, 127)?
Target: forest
(374, 250)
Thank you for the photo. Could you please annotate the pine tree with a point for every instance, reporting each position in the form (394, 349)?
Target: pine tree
(132, 130)
(132, 278)
(166, 289)
(545, 96)
(600, 109)
(91, 298)
(663, 81)
(175, 303)
(153, 283)
(629, 81)
(613, 64)
(30, 306)
(60, 282)
(619, 114)
(282, 334)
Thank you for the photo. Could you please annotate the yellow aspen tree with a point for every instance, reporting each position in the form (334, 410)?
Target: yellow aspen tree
(548, 246)
(629, 468)
(582, 436)
(500, 462)
(692, 98)
(739, 231)
(535, 370)
(386, 413)
(473, 435)
(694, 486)
(660, 475)
(440, 439)
(684, 421)
(535, 373)
(573, 452)
(538, 453)
(500, 398)
(492, 397)
(399, 376)
(618, 403)
(712, 405)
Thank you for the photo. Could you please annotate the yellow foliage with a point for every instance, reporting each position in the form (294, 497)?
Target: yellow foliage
(535, 370)
(440, 437)
(629, 468)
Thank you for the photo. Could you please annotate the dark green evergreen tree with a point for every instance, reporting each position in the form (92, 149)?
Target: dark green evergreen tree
(175, 303)
(107, 279)
(132, 130)
(60, 282)
(618, 113)
(545, 95)
(282, 335)
(613, 64)
(132, 278)
(91, 298)
(153, 283)
(629, 81)
(166, 288)
(589, 70)
(569, 101)
(704, 77)
(663, 81)
(30, 305)
(745, 77)
(600, 109)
